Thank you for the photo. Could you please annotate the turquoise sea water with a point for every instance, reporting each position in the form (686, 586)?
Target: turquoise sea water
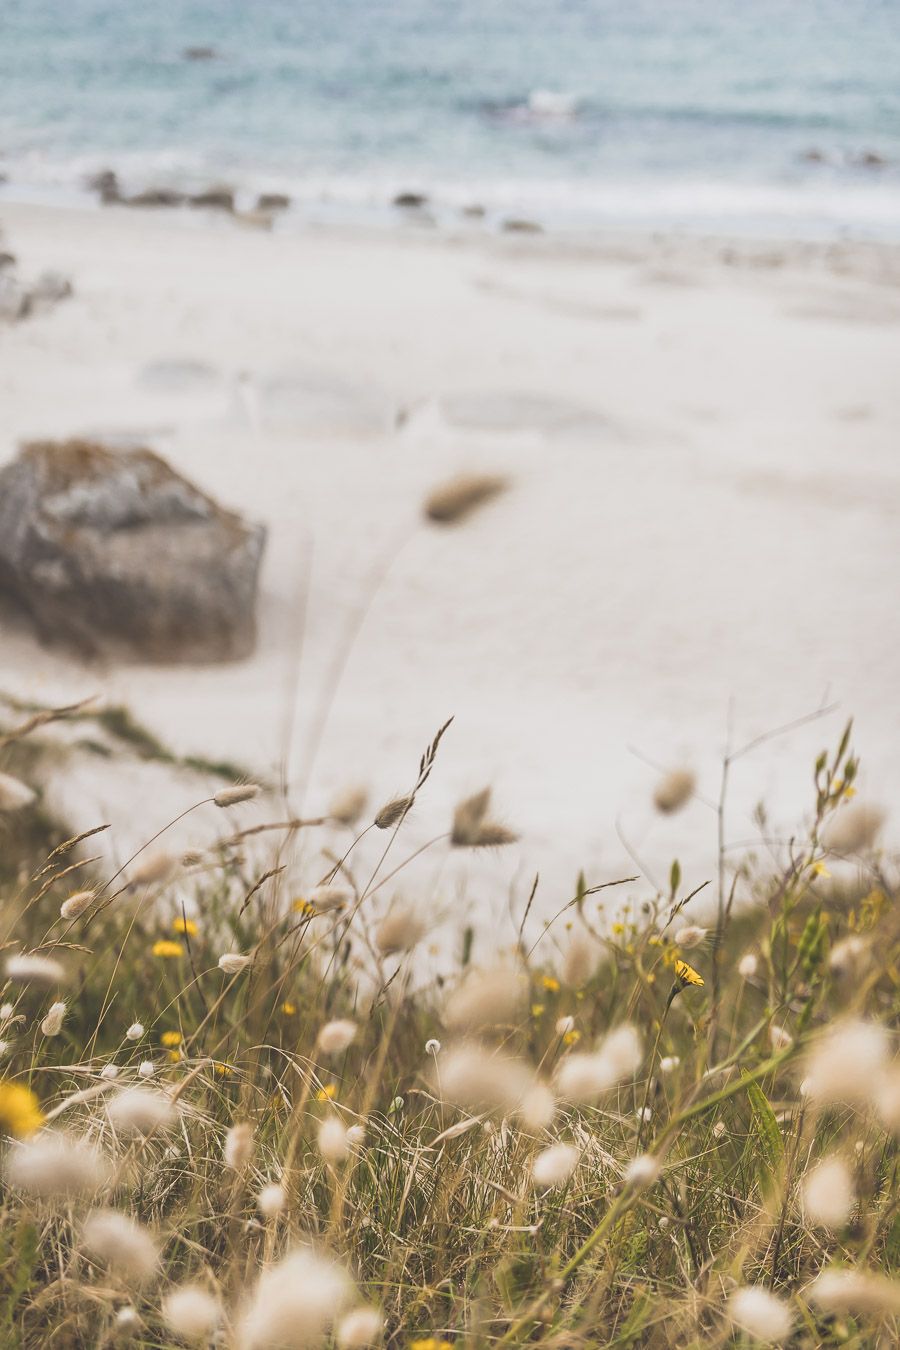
(764, 115)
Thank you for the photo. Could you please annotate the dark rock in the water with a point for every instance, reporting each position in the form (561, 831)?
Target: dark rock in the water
(514, 225)
(814, 155)
(218, 198)
(106, 184)
(871, 159)
(475, 211)
(155, 196)
(273, 201)
(410, 201)
(200, 54)
(116, 553)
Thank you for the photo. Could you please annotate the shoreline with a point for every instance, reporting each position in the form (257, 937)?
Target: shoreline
(682, 435)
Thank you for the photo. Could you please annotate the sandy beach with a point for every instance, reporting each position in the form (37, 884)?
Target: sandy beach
(701, 440)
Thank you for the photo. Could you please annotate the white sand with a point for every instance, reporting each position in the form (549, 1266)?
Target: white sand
(704, 513)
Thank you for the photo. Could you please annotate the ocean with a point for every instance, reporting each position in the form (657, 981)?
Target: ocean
(777, 117)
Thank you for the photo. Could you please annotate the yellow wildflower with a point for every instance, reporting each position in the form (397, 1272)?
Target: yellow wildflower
(223, 1070)
(175, 1056)
(550, 984)
(618, 929)
(166, 947)
(171, 1038)
(185, 926)
(20, 1112)
(571, 1037)
(289, 1009)
(686, 974)
(820, 870)
(326, 1094)
(301, 906)
(537, 1009)
(430, 1343)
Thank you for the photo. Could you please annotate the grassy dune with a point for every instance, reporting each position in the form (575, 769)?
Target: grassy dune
(674, 1136)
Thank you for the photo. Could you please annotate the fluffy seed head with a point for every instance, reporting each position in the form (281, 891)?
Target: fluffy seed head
(359, 1328)
(580, 961)
(455, 500)
(487, 999)
(356, 1135)
(75, 906)
(690, 936)
(393, 812)
(326, 898)
(232, 963)
(399, 931)
(336, 1037)
(134, 1032)
(779, 1038)
(847, 1062)
(669, 1063)
(191, 1313)
(673, 791)
(472, 827)
(294, 1303)
(760, 1314)
(643, 1171)
(554, 1165)
(348, 805)
(153, 869)
(271, 1200)
(141, 1111)
(126, 1247)
(853, 828)
(623, 1048)
(748, 965)
(53, 1164)
(477, 1080)
(14, 794)
(109, 1072)
(887, 1101)
(146, 1068)
(52, 1023)
(238, 1148)
(233, 796)
(332, 1140)
(537, 1107)
(583, 1077)
(31, 968)
(126, 1323)
(856, 1291)
(849, 957)
(828, 1193)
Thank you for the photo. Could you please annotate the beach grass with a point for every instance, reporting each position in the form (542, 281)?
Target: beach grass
(237, 1115)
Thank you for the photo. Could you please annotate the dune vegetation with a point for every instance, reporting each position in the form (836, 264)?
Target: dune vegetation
(236, 1115)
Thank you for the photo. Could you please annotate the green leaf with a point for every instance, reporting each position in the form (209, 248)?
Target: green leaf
(768, 1134)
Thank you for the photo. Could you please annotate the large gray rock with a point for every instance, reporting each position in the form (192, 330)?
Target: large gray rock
(115, 552)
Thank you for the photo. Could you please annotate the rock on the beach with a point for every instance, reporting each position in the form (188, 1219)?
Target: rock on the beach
(273, 201)
(18, 300)
(218, 198)
(410, 201)
(156, 196)
(106, 184)
(115, 552)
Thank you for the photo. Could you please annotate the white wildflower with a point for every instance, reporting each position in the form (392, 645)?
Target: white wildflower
(271, 1200)
(233, 796)
(232, 963)
(238, 1149)
(75, 906)
(555, 1165)
(141, 1111)
(359, 1328)
(294, 1303)
(336, 1037)
(124, 1245)
(332, 1140)
(760, 1314)
(53, 1022)
(487, 999)
(52, 1163)
(31, 968)
(828, 1193)
(191, 1313)
(643, 1171)
(847, 1062)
